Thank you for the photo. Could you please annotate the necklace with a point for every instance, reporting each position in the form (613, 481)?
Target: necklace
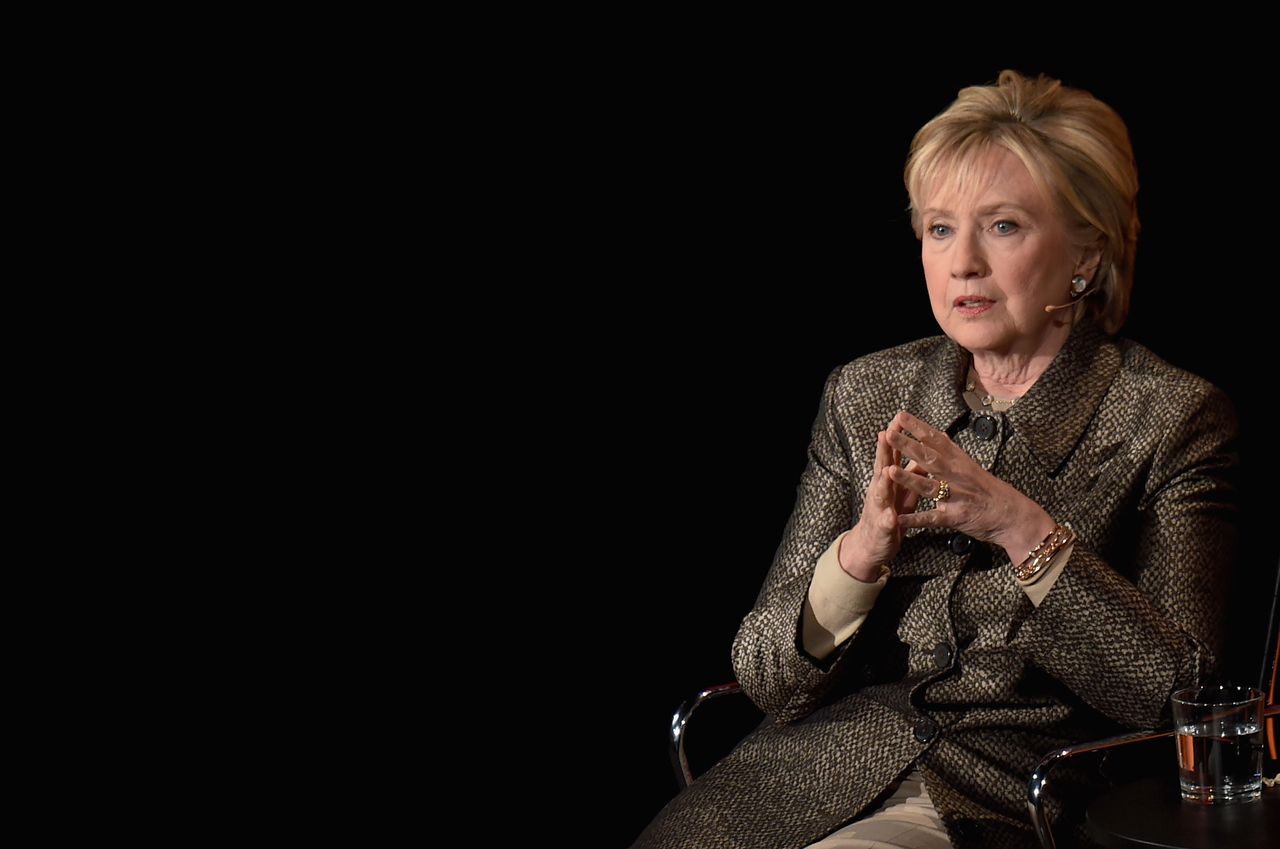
(998, 405)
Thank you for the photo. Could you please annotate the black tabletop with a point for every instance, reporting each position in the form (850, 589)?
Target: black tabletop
(1150, 814)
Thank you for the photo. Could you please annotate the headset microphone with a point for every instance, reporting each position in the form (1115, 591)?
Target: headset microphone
(1079, 290)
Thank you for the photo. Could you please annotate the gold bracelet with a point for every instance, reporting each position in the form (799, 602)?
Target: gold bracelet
(1039, 557)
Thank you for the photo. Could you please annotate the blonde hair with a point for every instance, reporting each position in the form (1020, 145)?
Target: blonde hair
(1078, 152)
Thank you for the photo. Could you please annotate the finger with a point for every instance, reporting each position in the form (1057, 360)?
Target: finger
(919, 484)
(914, 468)
(881, 490)
(905, 499)
(884, 454)
(918, 428)
(881, 494)
(935, 518)
(912, 448)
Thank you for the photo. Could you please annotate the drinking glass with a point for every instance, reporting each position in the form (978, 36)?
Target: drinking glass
(1219, 735)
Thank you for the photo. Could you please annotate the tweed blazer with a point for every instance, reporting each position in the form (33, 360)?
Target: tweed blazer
(955, 671)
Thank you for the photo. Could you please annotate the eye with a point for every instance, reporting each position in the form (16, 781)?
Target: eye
(939, 231)
(1005, 227)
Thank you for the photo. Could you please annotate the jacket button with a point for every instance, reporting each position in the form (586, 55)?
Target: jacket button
(925, 730)
(985, 427)
(961, 543)
(942, 655)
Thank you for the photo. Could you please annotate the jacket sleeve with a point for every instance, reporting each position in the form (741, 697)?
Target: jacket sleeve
(767, 654)
(1124, 646)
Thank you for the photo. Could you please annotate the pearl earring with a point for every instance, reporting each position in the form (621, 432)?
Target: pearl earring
(1078, 285)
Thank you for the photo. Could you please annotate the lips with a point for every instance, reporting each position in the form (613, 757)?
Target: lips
(972, 305)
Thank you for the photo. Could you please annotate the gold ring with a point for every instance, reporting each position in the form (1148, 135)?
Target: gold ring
(944, 490)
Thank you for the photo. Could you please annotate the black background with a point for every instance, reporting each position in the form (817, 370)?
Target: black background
(739, 222)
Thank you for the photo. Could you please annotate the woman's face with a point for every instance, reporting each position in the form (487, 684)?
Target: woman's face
(994, 257)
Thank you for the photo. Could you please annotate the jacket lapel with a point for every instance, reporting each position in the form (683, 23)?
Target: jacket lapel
(1054, 413)
(936, 395)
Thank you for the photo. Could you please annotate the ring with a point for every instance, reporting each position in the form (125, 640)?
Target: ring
(944, 490)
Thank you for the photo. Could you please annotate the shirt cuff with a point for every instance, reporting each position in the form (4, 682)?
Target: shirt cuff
(1039, 585)
(837, 603)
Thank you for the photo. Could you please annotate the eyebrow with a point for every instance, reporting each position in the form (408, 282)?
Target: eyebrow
(986, 210)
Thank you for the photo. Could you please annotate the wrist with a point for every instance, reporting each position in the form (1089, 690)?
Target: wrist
(1026, 533)
(850, 554)
(1039, 558)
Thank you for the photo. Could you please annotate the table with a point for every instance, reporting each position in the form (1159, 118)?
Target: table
(1150, 814)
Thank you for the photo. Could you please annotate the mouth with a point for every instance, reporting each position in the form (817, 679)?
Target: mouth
(972, 304)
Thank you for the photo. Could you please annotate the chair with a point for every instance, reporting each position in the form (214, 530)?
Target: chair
(1039, 782)
(1115, 767)
(684, 714)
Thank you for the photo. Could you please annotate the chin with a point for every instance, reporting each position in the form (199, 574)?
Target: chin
(976, 338)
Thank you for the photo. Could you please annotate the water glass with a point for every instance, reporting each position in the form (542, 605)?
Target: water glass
(1219, 735)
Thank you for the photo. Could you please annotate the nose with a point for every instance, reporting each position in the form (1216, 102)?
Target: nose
(967, 258)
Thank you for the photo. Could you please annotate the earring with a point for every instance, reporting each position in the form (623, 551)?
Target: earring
(1078, 285)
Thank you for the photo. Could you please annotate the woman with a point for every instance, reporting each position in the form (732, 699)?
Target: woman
(1007, 539)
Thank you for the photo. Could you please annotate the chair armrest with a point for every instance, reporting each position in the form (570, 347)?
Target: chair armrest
(1040, 777)
(681, 718)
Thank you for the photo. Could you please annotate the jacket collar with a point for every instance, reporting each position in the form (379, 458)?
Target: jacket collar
(936, 396)
(1056, 409)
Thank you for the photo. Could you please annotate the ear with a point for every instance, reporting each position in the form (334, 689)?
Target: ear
(1090, 259)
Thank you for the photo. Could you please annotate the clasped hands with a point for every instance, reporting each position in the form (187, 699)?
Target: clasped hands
(972, 500)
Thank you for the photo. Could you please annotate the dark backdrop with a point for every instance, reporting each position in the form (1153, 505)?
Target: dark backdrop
(740, 222)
